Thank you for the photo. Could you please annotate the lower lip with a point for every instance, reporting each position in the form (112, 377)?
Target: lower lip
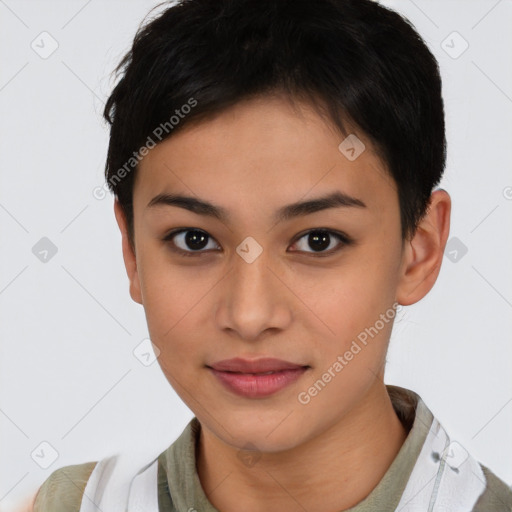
(251, 385)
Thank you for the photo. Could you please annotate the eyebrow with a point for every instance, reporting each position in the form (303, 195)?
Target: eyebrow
(201, 207)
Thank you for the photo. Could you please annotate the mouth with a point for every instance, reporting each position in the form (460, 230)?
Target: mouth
(258, 378)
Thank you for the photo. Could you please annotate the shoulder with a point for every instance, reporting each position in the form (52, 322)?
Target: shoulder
(62, 491)
(497, 496)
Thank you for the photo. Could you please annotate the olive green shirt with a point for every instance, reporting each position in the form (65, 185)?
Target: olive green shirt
(180, 490)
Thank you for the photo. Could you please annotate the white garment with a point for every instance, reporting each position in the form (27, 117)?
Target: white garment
(115, 485)
(445, 478)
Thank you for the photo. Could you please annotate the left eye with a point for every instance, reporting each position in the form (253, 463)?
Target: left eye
(320, 240)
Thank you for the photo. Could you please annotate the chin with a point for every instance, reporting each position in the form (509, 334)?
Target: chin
(263, 443)
(268, 433)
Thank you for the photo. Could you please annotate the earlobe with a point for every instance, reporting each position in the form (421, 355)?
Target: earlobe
(129, 257)
(423, 255)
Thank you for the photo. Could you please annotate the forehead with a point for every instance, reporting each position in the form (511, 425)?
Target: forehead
(264, 153)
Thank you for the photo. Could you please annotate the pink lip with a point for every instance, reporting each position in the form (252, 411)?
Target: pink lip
(249, 378)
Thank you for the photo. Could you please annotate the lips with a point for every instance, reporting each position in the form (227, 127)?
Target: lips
(265, 365)
(256, 379)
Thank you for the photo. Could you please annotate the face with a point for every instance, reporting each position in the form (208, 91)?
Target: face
(301, 287)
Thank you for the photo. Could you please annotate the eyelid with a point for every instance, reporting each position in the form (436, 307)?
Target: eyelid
(171, 234)
(343, 238)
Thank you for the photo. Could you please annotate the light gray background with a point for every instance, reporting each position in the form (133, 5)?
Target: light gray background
(68, 326)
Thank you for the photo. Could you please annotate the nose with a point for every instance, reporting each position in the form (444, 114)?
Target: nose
(254, 299)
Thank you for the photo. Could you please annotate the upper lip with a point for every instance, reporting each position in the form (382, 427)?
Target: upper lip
(266, 364)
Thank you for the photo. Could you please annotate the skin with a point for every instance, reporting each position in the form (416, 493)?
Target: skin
(251, 160)
(27, 505)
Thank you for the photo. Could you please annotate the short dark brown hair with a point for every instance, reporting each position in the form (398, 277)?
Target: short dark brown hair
(361, 62)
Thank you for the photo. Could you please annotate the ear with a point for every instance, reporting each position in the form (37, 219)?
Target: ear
(423, 255)
(130, 261)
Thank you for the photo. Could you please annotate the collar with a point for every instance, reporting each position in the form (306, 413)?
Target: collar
(187, 493)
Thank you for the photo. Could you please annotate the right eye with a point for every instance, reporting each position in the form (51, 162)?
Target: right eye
(191, 240)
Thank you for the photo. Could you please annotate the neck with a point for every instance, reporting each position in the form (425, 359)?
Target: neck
(335, 465)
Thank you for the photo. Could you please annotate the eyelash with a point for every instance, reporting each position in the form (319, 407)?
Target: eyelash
(344, 239)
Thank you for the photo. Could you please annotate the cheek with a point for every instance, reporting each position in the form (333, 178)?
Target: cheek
(350, 302)
(350, 298)
(351, 355)
(171, 296)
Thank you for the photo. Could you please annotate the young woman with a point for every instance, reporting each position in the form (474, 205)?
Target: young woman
(275, 165)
